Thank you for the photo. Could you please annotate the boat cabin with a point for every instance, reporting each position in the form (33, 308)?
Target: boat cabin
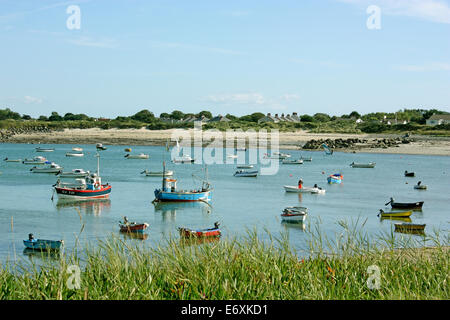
(93, 182)
(169, 185)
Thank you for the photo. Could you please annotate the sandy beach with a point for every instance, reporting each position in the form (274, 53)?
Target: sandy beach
(287, 140)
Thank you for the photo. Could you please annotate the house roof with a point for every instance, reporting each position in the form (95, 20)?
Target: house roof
(440, 116)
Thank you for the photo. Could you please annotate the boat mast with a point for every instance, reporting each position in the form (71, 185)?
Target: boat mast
(98, 164)
(164, 174)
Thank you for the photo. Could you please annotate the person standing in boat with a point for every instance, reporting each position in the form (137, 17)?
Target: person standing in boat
(300, 183)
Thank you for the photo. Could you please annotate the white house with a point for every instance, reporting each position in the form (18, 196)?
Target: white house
(437, 119)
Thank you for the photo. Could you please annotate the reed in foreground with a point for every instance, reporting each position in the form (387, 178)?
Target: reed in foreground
(232, 269)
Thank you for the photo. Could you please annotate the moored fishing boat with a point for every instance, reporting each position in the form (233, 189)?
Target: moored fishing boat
(232, 156)
(42, 244)
(169, 191)
(244, 166)
(36, 161)
(12, 160)
(296, 161)
(277, 155)
(335, 178)
(243, 173)
(409, 228)
(420, 186)
(405, 205)
(137, 156)
(201, 233)
(363, 165)
(183, 159)
(241, 149)
(74, 154)
(52, 168)
(409, 174)
(75, 173)
(132, 227)
(127, 149)
(296, 189)
(293, 216)
(39, 149)
(90, 187)
(306, 159)
(100, 147)
(399, 214)
(167, 173)
(77, 149)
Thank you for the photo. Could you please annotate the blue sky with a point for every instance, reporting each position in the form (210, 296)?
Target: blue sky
(237, 57)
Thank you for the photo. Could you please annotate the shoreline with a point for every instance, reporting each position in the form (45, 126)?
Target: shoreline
(419, 145)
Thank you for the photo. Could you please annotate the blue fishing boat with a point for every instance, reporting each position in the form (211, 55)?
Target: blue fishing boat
(170, 192)
(42, 244)
(335, 178)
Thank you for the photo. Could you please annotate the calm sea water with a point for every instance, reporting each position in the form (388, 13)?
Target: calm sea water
(239, 204)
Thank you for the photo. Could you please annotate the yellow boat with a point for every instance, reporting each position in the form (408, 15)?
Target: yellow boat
(403, 214)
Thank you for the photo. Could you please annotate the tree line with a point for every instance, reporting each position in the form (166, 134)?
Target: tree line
(318, 122)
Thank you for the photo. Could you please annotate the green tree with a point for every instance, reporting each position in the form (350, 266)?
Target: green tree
(177, 115)
(254, 117)
(144, 116)
(206, 114)
(55, 117)
(8, 114)
(164, 115)
(306, 118)
(321, 117)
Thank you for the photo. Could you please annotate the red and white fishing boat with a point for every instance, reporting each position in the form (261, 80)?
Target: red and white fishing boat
(89, 187)
(126, 226)
(201, 233)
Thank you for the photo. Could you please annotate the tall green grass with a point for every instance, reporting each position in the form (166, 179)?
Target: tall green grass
(248, 268)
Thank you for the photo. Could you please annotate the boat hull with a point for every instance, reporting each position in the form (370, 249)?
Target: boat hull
(363, 165)
(74, 154)
(412, 205)
(296, 189)
(204, 233)
(292, 162)
(182, 196)
(294, 217)
(41, 244)
(334, 179)
(136, 228)
(246, 174)
(398, 214)
(70, 193)
(158, 173)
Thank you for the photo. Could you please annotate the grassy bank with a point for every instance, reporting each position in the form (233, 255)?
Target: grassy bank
(244, 269)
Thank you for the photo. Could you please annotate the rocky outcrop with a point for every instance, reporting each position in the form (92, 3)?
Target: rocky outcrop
(6, 134)
(355, 143)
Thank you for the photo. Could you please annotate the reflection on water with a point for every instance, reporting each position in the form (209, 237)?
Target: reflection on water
(169, 209)
(198, 241)
(41, 255)
(134, 235)
(414, 232)
(95, 207)
(300, 225)
(404, 219)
